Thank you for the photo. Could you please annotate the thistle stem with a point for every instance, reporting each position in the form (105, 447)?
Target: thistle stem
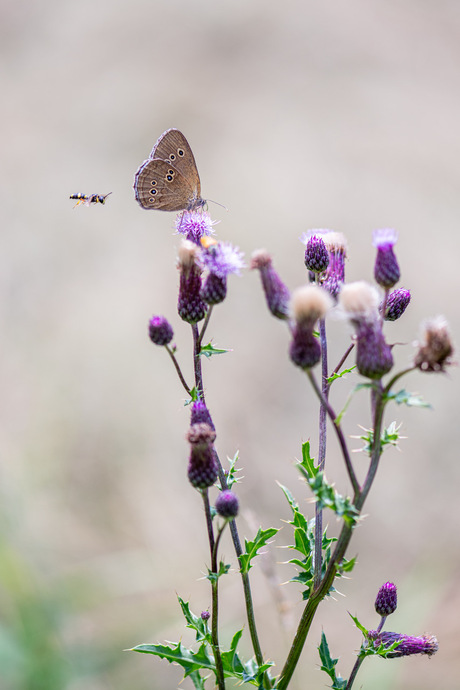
(215, 594)
(355, 670)
(321, 452)
(178, 369)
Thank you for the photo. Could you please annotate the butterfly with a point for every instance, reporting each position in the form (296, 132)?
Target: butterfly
(168, 180)
(89, 199)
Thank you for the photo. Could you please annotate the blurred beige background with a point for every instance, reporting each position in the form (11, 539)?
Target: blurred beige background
(301, 115)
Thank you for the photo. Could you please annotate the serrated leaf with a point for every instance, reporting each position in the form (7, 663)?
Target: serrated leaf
(233, 470)
(189, 660)
(328, 665)
(197, 680)
(307, 466)
(195, 622)
(335, 376)
(403, 397)
(328, 497)
(358, 624)
(209, 350)
(252, 547)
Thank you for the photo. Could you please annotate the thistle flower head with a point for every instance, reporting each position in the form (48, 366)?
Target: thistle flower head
(160, 330)
(386, 268)
(227, 504)
(334, 275)
(308, 304)
(316, 253)
(387, 599)
(202, 467)
(191, 306)
(408, 645)
(193, 225)
(205, 615)
(220, 260)
(373, 355)
(396, 304)
(436, 349)
(276, 293)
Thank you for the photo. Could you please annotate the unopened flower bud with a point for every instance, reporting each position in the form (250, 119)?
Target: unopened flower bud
(373, 356)
(316, 254)
(190, 306)
(308, 304)
(435, 350)
(205, 615)
(386, 268)
(160, 330)
(227, 504)
(276, 292)
(334, 276)
(396, 304)
(202, 467)
(387, 599)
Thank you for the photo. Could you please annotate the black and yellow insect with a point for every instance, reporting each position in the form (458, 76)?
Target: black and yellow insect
(89, 199)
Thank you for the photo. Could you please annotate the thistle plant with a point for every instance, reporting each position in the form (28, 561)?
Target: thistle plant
(319, 559)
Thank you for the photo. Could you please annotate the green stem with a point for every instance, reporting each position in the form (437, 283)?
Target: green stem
(355, 670)
(178, 369)
(197, 362)
(321, 453)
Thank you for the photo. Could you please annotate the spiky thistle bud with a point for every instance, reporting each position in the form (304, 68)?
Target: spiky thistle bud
(276, 292)
(373, 356)
(387, 599)
(334, 276)
(408, 644)
(386, 268)
(227, 504)
(205, 615)
(200, 414)
(308, 304)
(202, 467)
(435, 351)
(396, 304)
(316, 253)
(190, 305)
(160, 330)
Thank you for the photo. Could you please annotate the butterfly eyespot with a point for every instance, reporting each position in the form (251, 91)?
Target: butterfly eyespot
(180, 152)
(153, 183)
(172, 157)
(169, 178)
(151, 201)
(171, 172)
(153, 192)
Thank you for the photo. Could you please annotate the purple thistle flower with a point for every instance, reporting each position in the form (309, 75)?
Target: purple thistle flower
(408, 645)
(396, 304)
(386, 268)
(373, 354)
(202, 467)
(277, 294)
(200, 414)
(194, 225)
(334, 276)
(316, 253)
(387, 599)
(190, 306)
(435, 351)
(205, 615)
(308, 304)
(227, 504)
(160, 330)
(220, 260)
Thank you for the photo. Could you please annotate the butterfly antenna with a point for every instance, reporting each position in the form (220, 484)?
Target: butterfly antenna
(216, 202)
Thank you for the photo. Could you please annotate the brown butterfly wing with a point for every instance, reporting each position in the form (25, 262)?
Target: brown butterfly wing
(159, 185)
(173, 147)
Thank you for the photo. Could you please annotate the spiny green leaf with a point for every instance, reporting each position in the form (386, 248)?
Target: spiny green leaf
(307, 466)
(179, 654)
(335, 376)
(233, 470)
(252, 547)
(209, 350)
(328, 497)
(328, 665)
(403, 397)
(358, 624)
(195, 622)
(223, 570)
(194, 396)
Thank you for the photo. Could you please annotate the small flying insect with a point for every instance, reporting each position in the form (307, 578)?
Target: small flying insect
(89, 199)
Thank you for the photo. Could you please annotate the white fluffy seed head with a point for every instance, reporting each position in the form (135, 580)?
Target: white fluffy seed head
(359, 299)
(260, 259)
(187, 254)
(310, 303)
(335, 242)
